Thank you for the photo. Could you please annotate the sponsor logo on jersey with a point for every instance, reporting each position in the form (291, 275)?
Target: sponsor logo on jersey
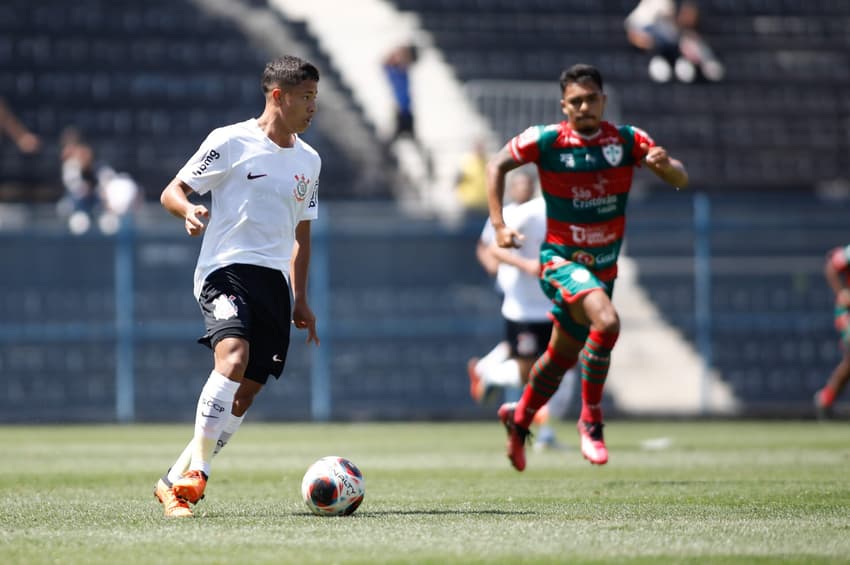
(211, 156)
(595, 236)
(606, 258)
(302, 185)
(583, 258)
(224, 307)
(613, 153)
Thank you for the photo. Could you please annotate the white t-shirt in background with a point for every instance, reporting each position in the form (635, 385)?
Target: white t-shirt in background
(523, 299)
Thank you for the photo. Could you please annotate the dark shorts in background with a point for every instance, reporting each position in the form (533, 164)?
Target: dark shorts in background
(528, 339)
(252, 303)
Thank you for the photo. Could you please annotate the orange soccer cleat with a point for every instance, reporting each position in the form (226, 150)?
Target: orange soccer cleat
(190, 487)
(173, 506)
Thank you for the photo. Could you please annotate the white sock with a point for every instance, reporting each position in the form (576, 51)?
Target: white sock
(214, 406)
(182, 464)
(504, 374)
(233, 423)
(498, 354)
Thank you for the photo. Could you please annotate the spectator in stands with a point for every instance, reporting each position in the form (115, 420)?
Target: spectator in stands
(80, 177)
(92, 187)
(471, 184)
(585, 167)
(397, 66)
(673, 40)
(27, 141)
(264, 182)
(837, 273)
(525, 308)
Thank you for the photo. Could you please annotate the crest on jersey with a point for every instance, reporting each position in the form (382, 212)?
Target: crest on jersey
(224, 307)
(302, 185)
(613, 153)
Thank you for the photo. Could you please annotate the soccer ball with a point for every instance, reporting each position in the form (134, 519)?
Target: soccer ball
(333, 486)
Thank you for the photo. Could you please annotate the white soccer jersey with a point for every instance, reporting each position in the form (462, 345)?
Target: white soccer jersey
(259, 190)
(523, 299)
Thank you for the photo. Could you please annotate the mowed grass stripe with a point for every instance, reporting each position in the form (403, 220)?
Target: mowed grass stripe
(698, 492)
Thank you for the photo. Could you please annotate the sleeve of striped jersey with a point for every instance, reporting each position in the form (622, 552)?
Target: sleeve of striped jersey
(838, 258)
(525, 147)
(210, 164)
(640, 137)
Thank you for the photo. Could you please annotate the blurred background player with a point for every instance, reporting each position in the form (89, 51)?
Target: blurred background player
(837, 273)
(525, 308)
(264, 180)
(585, 167)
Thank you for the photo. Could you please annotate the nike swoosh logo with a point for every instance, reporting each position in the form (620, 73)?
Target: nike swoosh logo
(210, 416)
(252, 177)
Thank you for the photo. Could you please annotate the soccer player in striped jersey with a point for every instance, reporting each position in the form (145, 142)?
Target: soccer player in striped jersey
(837, 272)
(586, 166)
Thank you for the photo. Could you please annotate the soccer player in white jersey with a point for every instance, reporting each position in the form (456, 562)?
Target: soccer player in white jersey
(525, 308)
(263, 180)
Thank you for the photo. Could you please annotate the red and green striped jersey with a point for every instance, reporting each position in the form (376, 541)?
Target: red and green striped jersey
(586, 183)
(839, 258)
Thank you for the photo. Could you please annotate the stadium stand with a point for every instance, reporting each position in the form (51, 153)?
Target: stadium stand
(144, 82)
(777, 121)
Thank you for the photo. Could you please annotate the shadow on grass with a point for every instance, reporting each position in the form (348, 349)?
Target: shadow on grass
(365, 514)
(426, 512)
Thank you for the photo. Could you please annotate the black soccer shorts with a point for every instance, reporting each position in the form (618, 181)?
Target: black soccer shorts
(528, 339)
(252, 303)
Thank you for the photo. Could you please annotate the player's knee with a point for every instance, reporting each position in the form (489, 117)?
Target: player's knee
(231, 357)
(607, 322)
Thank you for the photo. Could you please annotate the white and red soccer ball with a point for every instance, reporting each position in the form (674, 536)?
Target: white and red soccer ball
(333, 486)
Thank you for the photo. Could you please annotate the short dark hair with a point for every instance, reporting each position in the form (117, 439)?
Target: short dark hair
(288, 71)
(581, 73)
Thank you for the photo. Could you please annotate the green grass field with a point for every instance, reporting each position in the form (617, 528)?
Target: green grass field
(727, 492)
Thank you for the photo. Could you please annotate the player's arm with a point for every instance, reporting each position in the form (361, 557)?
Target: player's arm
(530, 266)
(175, 199)
(499, 165)
(835, 261)
(668, 169)
(302, 315)
(485, 256)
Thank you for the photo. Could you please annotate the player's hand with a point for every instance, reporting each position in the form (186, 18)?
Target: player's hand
(656, 157)
(303, 318)
(194, 225)
(506, 237)
(843, 298)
